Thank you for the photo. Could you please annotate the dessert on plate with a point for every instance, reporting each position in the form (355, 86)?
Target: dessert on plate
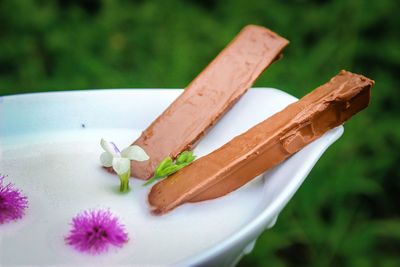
(265, 145)
(208, 97)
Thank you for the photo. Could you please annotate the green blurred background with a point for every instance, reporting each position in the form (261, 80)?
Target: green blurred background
(348, 210)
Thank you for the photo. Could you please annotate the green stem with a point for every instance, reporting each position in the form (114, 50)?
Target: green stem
(124, 187)
(152, 180)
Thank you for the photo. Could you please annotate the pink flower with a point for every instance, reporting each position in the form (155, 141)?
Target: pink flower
(95, 231)
(12, 203)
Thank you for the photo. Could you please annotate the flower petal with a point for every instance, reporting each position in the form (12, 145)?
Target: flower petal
(107, 146)
(106, 159)
(135, 153)
(121, 165)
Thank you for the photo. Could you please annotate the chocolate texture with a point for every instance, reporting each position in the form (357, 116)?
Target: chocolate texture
(210, 95)
(264, 145)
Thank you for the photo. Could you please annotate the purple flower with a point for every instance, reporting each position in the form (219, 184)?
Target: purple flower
(12, 203)
(95, 231)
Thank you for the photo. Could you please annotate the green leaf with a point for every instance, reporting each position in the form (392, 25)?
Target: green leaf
(182, 157)
(168, 171)
(164, 164)
(166, 168)
(180, 166)
(190, 159)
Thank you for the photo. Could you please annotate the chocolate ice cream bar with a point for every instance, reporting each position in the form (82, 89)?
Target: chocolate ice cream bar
(208, 97)
(265, 145)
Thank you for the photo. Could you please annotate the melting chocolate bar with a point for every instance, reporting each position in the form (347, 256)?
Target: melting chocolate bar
(265, 145)
(217, 88)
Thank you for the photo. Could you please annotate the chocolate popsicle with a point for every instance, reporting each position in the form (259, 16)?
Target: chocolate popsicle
(208, 97)
(265, 145)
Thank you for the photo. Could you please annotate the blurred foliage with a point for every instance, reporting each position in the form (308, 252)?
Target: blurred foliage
(348, 210)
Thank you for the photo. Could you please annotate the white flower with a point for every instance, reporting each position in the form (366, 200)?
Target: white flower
(120, 160)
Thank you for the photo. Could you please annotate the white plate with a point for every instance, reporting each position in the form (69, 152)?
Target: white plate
(47, 117)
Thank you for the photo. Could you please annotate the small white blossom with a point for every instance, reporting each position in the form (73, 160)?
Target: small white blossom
(120, 160)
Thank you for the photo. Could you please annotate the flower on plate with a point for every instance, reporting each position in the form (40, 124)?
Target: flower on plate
(94, 232)
(121, 160)
(12, 202)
